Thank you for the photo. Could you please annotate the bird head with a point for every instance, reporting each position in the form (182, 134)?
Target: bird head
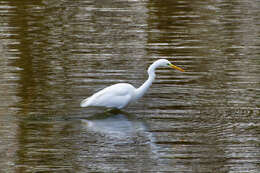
(166, 63)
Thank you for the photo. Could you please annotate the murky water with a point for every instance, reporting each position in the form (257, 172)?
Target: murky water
(55, 53)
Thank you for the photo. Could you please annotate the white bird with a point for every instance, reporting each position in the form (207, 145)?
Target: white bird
(121, 94)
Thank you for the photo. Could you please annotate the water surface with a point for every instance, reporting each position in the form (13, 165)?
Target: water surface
(55, 53)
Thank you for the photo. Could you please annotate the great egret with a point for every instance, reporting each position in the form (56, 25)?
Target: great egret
(121, 94)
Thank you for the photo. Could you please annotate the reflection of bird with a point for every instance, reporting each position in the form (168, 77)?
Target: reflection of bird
(121, 94)
(116, 124)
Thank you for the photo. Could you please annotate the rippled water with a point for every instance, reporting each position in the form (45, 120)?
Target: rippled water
(55, 53)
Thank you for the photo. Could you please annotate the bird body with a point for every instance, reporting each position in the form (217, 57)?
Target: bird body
(121, 94)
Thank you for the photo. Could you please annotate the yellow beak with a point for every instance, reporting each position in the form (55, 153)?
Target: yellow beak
(177, 68)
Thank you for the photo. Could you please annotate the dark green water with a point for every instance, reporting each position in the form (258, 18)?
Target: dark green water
(54, 53)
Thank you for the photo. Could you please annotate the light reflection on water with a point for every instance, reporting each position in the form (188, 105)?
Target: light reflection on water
(119, 136)
(115, 126)
(55, 53)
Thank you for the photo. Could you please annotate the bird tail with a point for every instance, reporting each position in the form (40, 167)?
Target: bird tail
(84, 103)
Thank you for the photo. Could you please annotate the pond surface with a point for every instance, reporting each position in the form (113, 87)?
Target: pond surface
(54, 53)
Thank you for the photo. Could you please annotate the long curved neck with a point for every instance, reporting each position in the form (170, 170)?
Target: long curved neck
(146, 85)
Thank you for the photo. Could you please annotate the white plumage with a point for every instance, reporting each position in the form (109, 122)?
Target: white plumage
(119, 98)
(121, 94)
